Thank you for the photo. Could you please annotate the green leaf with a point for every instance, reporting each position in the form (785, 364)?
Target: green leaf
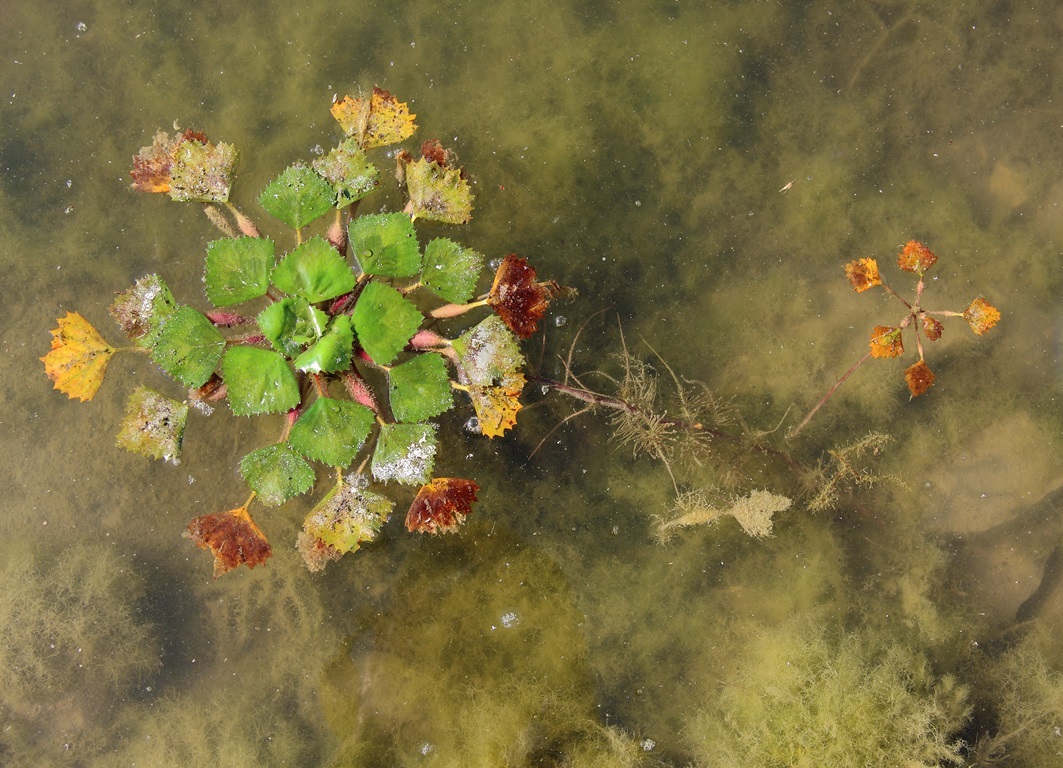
(420, 388)
(276, 473)
(489, 352)
(202, 173)
(188, 347)
(348, 170)
(386, 244)
(315, 271)
(154, 425)
(291, 323)
(258, 381)
(405, 453)
(333, 352)
(238, 269)
(384, 321)
(298, 196)
(331, 431)
(348, 516)
(438, 193)
(451, 270)
(142, 310)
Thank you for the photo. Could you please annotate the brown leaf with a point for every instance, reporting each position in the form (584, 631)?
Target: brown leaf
(916, 257)
(518, 299)
(232, 536)
(919, 377)
(441, 505)
(981, 315)
(886, 341)
(78, 359)
(863, 274)
(432, 151)
(933, 328)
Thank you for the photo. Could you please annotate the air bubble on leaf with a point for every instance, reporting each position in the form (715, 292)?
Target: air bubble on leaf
(472, 426)
(560, 320)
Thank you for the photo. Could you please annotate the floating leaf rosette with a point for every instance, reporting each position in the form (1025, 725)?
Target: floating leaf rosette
(888, 340)
(326, 335)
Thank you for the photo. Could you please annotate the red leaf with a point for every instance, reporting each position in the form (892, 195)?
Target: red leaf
(233, 537)
(517, 298)
(441, 505)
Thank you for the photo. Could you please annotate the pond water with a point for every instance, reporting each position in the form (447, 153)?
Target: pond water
(700, 173)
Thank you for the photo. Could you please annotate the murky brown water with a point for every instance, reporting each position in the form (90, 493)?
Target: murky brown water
(698, 171)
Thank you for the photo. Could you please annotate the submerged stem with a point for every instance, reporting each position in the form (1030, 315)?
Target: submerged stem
(794, 432)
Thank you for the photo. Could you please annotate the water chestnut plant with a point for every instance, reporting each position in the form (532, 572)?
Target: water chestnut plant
(309, 333)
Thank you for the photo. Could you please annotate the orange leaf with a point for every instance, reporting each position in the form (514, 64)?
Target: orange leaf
(932, 328)
(78, 359)
(375, 122)
(981, 315)
(919, 378)
(232, 536)
(517, 298)
(441, 505)
(916, 257)
(886, 341)
(863, 274)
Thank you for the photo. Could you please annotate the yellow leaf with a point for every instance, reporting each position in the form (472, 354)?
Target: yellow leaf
(375, 122)
(496, 406)
(78, 359)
